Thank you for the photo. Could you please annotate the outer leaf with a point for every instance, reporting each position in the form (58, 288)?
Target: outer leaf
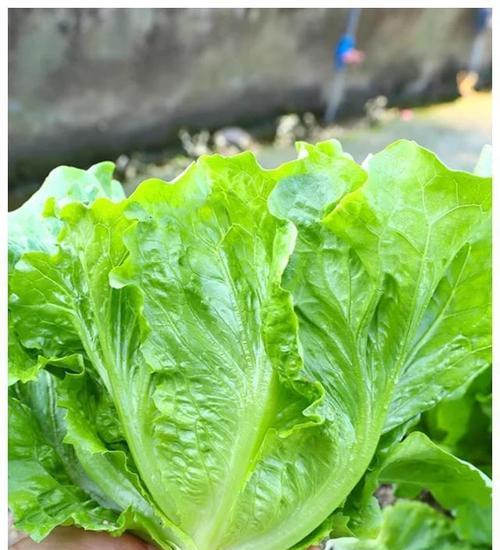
(90, 418)
(81, 312)
(382, 279)
(52, 483)
(462, 424)
(31, 230)
(402, 263)
(27, 229)
(362, 508)
(22, 365)
(47, 486)
(390, 284)
(456, 485)
(409, 526)
(422, 232)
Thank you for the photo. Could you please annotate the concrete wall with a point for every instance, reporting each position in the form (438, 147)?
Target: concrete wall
(87, 84)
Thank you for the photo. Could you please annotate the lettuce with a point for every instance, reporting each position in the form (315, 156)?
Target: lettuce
(215, 362)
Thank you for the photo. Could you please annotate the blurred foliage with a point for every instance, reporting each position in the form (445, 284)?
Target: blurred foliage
(463, 425)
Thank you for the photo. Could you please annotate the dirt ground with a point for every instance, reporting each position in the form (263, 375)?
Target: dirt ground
(455, 131)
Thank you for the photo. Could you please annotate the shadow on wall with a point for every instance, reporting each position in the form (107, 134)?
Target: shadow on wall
(88, 84)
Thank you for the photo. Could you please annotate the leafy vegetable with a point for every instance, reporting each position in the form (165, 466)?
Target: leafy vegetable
(221, 356)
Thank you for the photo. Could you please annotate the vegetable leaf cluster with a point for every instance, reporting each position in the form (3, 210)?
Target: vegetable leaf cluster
(234, 360)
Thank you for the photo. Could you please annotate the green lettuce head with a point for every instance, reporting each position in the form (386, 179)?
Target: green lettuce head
(213, 362)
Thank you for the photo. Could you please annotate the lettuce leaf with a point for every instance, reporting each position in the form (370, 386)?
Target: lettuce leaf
(29, 230)
(410, 525)
(229, 348)
(460, 489)
(462, 424)
(48, 484)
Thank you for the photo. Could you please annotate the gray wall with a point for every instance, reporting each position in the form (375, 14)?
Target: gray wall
(87, 84)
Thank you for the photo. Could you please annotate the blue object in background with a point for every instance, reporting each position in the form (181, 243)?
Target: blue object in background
(344, 45)
(483, 18)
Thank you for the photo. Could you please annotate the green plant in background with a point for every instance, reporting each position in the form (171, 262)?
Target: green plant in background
(462, 424)
(234, 360)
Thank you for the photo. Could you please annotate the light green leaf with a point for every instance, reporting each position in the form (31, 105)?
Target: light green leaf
(70, 289)
(382, 281)
(457, 485)
(27, 228)
(362, 508)
(462, 424)
(60, 472)
(88, 412)
(409, 526)
(422, 234)
(391, 287)
(22, 365)
(229, 403)
(47, 485)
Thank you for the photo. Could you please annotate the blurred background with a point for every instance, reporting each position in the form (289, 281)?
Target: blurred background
(152, 89)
